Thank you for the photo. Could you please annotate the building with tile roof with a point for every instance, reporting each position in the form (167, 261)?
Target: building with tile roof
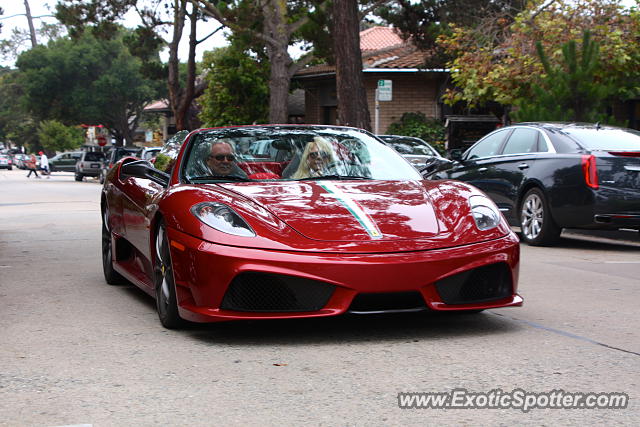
(385, 56)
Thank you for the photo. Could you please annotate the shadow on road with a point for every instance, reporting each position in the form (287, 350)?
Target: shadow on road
(349, 328)
(590, 243)
(390, 328)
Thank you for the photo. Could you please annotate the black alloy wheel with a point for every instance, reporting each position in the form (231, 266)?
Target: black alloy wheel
(166, 301)
(111, 276)
(537, 226)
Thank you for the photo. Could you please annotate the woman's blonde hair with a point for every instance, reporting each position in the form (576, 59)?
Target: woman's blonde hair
(323, 145)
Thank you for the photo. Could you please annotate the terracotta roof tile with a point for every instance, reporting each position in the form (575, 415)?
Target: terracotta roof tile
(157, 105)
(390, 56)
(376, 38)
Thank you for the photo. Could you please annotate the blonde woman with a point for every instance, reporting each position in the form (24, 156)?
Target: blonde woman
(317, 155)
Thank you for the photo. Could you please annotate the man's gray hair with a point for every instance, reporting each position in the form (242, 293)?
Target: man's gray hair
(223, 141)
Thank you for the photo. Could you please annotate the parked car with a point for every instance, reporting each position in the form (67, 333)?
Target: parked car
(149, 153)
(19, 161)
(250, 241)
(548, 176)
(89, 164)
(417, 151)
(113, 156)
(6, 162)
(65, 162)
(414, 149)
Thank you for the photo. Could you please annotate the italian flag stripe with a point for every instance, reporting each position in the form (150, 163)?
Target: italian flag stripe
(354, 208)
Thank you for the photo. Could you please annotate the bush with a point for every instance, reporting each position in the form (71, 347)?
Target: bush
(419, 126)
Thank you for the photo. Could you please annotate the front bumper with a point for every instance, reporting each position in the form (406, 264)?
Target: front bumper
(204, 271)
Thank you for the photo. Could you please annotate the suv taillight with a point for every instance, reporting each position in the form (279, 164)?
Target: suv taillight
(590, 171)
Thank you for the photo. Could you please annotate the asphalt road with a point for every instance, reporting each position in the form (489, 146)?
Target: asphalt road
(74, 350)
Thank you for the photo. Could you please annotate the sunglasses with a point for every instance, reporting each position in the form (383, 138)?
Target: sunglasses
(221, 157)
(318, 154)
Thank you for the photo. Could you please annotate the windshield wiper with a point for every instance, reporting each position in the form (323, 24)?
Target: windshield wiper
(339, 177)
(218, 178)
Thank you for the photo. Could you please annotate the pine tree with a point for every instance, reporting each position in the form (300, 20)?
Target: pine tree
(570, 91)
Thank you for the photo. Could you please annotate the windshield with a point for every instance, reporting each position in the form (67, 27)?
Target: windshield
(606, 139)
(291, 153)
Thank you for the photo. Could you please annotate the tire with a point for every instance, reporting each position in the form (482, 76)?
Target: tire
(79, 176)
(111, 276)
(537, 226)
(166, 301)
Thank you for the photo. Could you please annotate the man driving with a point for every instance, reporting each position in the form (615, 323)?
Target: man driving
(222, 159)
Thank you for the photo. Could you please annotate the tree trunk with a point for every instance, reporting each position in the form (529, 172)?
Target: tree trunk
(279, 82)
(173, 65)
(32, 30)
(277, 36)
(352, 98)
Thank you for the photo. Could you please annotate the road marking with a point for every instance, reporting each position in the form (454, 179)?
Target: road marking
(566, 334)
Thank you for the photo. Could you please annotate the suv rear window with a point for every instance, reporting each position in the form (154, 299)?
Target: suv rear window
(93, 157)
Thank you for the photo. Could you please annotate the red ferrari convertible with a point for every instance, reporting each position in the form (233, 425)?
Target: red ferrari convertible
(265, 222)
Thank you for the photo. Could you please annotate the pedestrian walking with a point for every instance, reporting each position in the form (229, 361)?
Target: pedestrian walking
(44, 164)
(31, 165)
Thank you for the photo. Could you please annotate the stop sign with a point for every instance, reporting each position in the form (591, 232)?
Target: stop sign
(102, 140)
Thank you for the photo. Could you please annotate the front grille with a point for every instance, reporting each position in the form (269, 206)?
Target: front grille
(262, 292)
(387, 301)
(482, 284)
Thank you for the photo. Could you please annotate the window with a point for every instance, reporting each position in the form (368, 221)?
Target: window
(522, 140)
(93, 157)
(488, 146)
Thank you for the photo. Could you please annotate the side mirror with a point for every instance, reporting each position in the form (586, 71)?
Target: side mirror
(143, 169)
(434, 165)
(456, 154)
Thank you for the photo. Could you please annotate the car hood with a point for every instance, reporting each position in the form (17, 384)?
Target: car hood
(335, 216)
(348, 210)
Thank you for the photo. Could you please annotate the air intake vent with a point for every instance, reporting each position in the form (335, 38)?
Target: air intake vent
(260, 292)
(387, 302)
(482, 284)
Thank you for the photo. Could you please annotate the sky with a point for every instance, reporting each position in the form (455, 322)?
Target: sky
(45, 7)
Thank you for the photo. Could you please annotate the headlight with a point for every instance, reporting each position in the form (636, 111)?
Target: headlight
(484, 212)
(222, 218)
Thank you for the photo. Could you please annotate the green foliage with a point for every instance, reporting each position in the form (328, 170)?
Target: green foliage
(237, 91)
(498, 60)
(569, 91)
(423, 21)
(419, 126)
(86, 81)
(55, 136)
(162, 162)
(16, 125)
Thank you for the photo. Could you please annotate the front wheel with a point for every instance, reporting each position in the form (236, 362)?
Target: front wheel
(111, 276)
(537, 226)
(166, 301)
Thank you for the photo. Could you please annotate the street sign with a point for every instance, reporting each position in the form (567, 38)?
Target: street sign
(385, 90)
(102, 140)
